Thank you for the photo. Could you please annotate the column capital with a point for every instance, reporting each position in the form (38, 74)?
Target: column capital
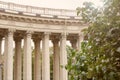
(80, 34)
(55, 41)
(18, 39)
(47, 33)
(37, 39)
(10, 31)
(64, 35)
(29, 33)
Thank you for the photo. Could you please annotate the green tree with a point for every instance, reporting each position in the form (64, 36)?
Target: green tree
(99, 58)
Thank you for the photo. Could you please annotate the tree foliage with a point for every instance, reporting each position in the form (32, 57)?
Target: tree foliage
(99, 58)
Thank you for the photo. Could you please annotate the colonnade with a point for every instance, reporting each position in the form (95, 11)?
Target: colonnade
(18, 66)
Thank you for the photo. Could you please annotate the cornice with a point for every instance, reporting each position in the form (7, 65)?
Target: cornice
(39, 20)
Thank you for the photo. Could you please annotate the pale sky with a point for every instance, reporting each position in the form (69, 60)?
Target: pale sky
(59, 4)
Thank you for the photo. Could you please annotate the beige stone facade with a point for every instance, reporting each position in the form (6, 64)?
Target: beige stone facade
(19, 22)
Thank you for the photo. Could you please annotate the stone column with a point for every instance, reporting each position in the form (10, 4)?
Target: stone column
(17, 60)
(63, 58)
(56, 58)
(1, 45)
(1, 58)
(1, 49)
(8, 62)
(80, 39)
(45, 58)
(27, 60)
(74, 43)
(37, 60)
(1, 71)
(5, 57)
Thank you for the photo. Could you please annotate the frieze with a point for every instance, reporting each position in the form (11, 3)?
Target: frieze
(39, 20)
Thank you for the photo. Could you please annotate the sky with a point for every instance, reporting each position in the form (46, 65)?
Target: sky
(58, 4)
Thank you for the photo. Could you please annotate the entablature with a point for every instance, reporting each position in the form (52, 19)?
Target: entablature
(40, 20)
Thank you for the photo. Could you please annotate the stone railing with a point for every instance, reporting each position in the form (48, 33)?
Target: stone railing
(37, 10)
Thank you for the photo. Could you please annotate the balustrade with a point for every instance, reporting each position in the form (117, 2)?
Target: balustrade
(37, 10)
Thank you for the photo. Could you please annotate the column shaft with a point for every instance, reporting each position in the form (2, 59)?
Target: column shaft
(1, 50)
(80, 39)
(56, 58)
(37, 60)
(0, 72)
(63, 59)
(17, 60)
(8, 64)
(46, 58)
(27, 61)
(0, 58)
(5, 57)
(0, 45)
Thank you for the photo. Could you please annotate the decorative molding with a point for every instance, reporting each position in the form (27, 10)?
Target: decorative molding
(40, 20)
(11, 31)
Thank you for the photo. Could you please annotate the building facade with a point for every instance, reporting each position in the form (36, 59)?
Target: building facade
(20, 22)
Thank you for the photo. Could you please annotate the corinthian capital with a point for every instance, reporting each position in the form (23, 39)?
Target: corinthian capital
(29, 33)
(11, 31)
(64, 35)
(47, 33)
(80, 34)
(55, 41)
